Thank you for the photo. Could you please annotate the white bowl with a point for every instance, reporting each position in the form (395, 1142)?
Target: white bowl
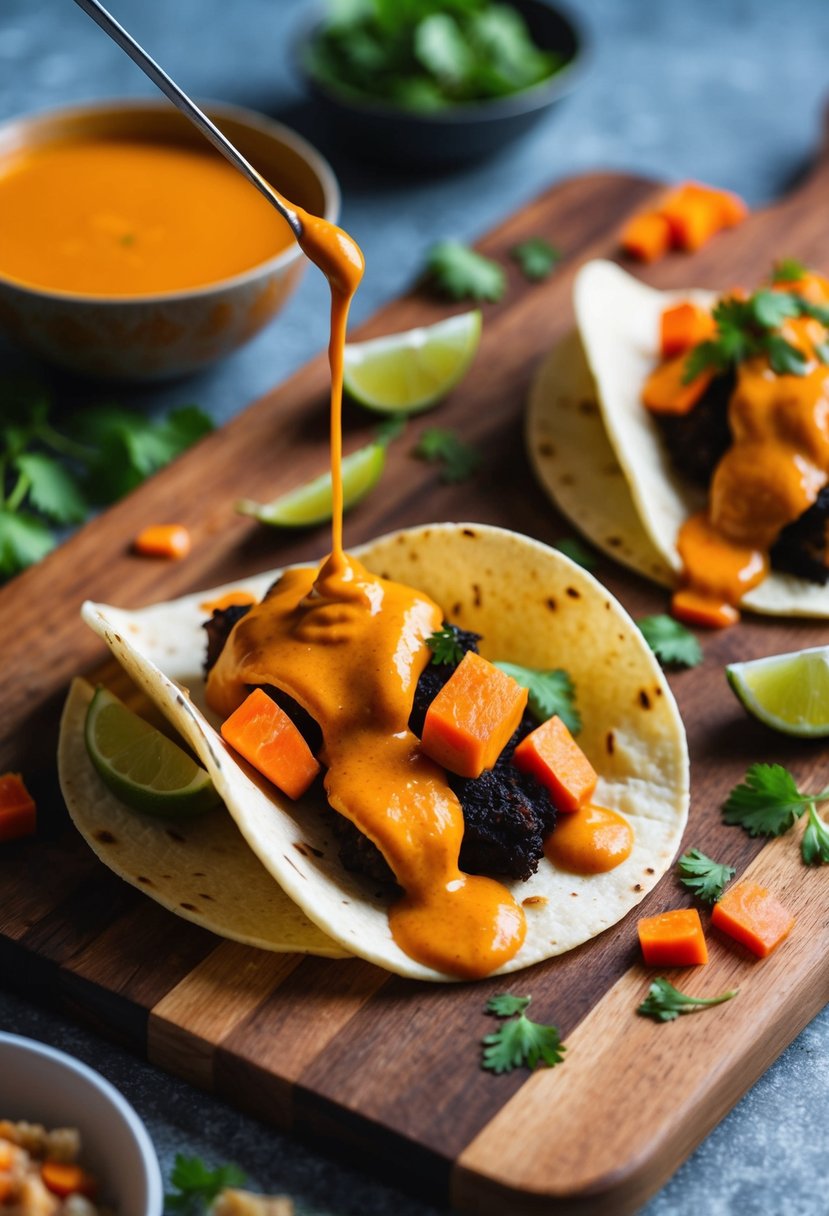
(42, 1085)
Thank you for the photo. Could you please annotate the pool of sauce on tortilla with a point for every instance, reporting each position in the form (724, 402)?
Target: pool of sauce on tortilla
(349, 647)
(776, 466)
(591, 840)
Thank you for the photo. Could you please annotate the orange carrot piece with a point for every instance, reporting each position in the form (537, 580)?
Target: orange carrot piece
(267, 738)
(753, 916)
(695, 608)
(64, 1179)
(696, 212)
(163, 540)
(673, 939)
(552, 755)
(666, 392)
(646, 236)
(683, 326)
(473, 717)
(18, 813)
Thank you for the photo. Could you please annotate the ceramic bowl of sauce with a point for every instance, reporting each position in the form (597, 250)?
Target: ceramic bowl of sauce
(129, 248)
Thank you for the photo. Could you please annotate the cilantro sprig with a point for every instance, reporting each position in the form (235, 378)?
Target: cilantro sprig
(751, 327)
(536, 258)
(788, 270)
(196, 1186)
(768, 803)
(445, 647)
(457, 460)
(51, 478)
(672, 643)
(461, 273)
(552, 692)
(664, 1002)
(704, 876)
(518, 1041)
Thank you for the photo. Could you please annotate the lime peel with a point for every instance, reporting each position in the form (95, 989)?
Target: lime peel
(788, 692)
(406, 373)
(311, 503)
(142, 767)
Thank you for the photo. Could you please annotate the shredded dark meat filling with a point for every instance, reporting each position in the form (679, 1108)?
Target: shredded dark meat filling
(507, 813)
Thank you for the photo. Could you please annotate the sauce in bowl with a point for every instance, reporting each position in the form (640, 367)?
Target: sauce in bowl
(130, 217)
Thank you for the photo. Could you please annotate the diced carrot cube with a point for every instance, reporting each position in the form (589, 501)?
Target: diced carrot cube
(65, 1179)
(552, 755)
(666, 391)
(673, 939)
(473, 717)
(683, 326)
(696, 212)
(18, 813)
(646, 236)
(753, 916)
(267, 738)
(163, 540)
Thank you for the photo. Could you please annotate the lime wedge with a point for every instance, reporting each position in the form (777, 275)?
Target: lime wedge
(140, 765)
(409, 372)
(789, 692)
(311, 504)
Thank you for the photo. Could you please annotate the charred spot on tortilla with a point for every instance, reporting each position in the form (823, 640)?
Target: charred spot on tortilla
(176, 836)
(546, 449)
(105, 837)
(189, 907)
(610, 742)
(573, 593)
(551, 603)
(469, 532)
(147, 882)
(644, 699)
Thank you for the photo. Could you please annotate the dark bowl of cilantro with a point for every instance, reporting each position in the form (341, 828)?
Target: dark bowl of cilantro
(438, 82)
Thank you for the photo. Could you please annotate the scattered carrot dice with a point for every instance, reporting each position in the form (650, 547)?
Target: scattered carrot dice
(473, 717)
(552, 755)
(753, 916)
(267, 738)
(696, 608)
(163, 540)
(18, 814)
(673, 939)
(666, 391)
(646, 236)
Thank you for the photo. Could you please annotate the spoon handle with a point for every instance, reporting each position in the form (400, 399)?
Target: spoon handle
(188, 107)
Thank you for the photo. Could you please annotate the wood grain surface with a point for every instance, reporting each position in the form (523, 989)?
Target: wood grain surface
(338, 1049)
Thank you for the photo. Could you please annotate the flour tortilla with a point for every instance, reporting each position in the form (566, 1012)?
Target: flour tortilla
(199, 868)
(635, 516)
(533, 606)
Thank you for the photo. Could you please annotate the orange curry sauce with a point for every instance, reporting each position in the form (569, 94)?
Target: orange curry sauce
(349, 647)
(777, 464)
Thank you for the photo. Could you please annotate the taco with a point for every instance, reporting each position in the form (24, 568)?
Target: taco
(632, 478)
(531, 606)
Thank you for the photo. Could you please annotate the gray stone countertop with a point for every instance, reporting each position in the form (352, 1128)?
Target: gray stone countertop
(729, 91)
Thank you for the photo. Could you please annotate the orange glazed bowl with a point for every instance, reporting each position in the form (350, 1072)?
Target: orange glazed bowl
(121, 324)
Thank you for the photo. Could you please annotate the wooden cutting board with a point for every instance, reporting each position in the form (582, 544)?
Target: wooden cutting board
(340, 1050)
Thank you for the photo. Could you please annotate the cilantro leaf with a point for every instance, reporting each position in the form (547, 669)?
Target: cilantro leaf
(771, 308)
(664, 1002)
(579, 553)
(442, 49)
(52, 489)
(704, 876)
(551, 693)
(784, 358)
(814, 847)
(788, 270)
(519, 1041)
(440, 446)
(505, 1004)
(197, 1185)
(672, 643)
(129, 448)
(24, 540)
(446, 649)
(460, 273)
(767, 802)
(536, 257)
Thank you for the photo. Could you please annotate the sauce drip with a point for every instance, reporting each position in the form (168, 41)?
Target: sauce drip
(776, 466)
(591, 840)
(349, 647)
(130, 217)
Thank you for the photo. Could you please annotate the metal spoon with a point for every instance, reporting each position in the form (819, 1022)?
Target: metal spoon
(189, 108)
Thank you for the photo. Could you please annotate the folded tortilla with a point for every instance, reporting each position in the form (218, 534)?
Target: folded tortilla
(534, 607)
(599, 452)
